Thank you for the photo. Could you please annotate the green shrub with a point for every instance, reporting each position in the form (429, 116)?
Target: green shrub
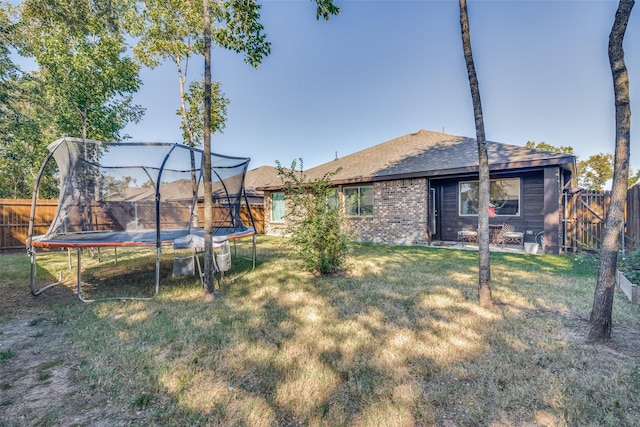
(6, 355)
(631, 266)
(315, 219)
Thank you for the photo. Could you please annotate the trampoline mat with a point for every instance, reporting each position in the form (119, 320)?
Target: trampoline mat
(93, 239)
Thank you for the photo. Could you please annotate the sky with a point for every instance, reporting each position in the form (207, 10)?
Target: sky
(385, 68)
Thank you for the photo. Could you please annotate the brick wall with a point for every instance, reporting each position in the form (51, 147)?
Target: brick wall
(400, 213)
(273, 228)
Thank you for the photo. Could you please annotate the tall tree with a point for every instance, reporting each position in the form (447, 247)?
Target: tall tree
(26, 121)
(80, 50)
(551, 148)
(600, 321)
(484, 265)
(242, 33)
(208, 202)
(594, 172)
(172, 31)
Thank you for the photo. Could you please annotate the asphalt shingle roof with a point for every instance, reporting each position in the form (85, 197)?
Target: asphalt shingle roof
(429, 153)
(262, 176)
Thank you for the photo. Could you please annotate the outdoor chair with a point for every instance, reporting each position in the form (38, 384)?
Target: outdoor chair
(512, 232)
(467, 234)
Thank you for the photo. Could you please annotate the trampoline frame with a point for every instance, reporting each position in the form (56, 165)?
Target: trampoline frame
(88, 239)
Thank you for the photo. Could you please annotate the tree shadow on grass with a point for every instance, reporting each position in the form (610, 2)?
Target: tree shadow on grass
(399, 340)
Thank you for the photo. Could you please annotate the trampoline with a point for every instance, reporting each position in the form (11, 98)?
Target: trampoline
(138, 194)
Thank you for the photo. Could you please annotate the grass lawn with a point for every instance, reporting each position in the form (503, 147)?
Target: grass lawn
(397, 340)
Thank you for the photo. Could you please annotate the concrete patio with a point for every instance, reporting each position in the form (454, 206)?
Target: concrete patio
(492, 247)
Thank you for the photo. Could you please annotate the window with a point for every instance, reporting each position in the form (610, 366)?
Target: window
(359, 201)
(504, 194)
(277, 207)
(332, 198)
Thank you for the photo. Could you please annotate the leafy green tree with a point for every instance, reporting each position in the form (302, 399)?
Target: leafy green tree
(316, 225)
(172, 31)
(551, 148)
(601, 318)
(192, 129)
(175, 30)
(594, 172)
(80, 50)
(634, 177)
(484, 264)
(25, 132)
(242, 32)
(25, 123)
(8, 70)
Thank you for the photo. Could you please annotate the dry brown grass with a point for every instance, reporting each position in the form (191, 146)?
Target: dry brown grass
(399, 340)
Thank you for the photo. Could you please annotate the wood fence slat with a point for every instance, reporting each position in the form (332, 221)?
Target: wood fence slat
(633, 217)
(585, 221)
(14, 220)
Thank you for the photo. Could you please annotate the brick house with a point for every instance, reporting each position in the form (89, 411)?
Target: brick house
(422, 187)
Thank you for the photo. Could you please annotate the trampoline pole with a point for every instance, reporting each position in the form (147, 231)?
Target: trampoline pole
(35, 292)
(158, 253)
(80, 275)
(254, 252)
(32, 254)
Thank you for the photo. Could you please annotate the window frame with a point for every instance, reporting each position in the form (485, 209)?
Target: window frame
(333, 198)
(497, 214)
(348, 205)
(273, 204)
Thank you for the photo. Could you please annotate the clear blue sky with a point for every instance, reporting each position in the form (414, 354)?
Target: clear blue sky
(382, 69)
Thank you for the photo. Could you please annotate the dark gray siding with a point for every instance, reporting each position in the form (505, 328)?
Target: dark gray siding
(531, 209)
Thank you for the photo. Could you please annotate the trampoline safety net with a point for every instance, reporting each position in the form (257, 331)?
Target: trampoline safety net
(128, 194)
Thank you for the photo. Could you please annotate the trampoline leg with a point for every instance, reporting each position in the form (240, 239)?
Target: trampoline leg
(254, 253)
(253, 260)
(197, 257)
(80, 277)
(32, 283)
(158, 254)
(81, 298)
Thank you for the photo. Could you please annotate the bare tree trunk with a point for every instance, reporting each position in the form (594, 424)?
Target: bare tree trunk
(484, 265)
(183, 103)
(600, 321)
(185, 122)
(208, 203)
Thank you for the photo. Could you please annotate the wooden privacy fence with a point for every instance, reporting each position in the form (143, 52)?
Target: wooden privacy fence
(633, 217)
(585, 218)
(14, 220)
(585, 214)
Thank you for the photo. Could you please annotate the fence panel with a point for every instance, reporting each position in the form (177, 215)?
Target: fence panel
(586, 215)
(633, 217)
(14, 220)
(587, 212)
